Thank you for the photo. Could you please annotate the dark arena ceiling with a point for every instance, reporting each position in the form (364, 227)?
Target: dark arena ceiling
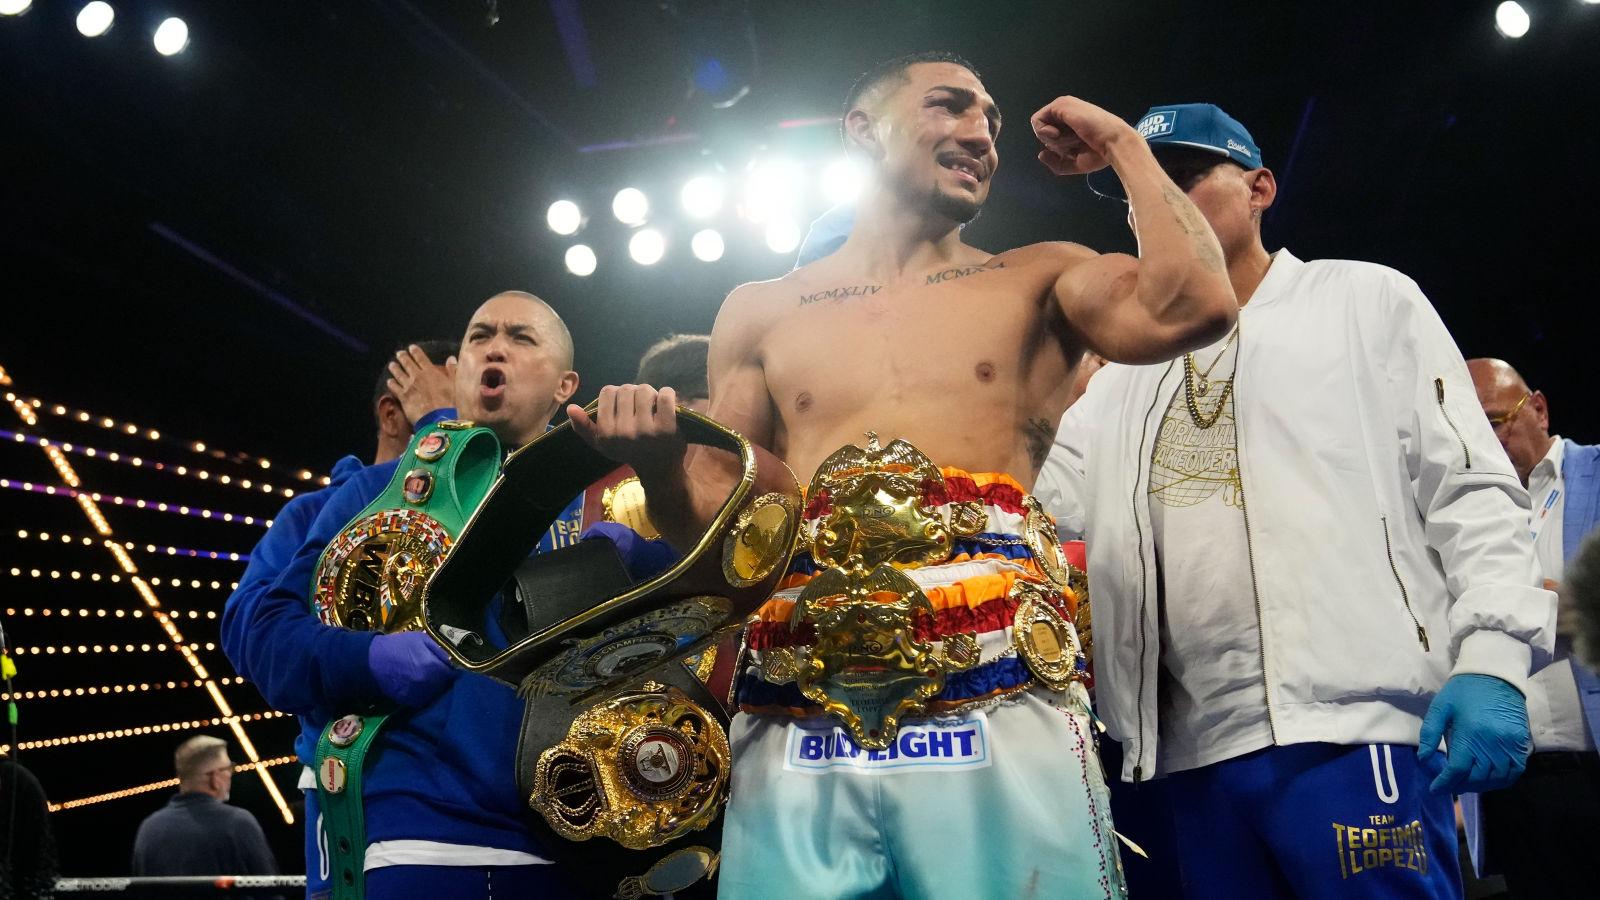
(221, 246)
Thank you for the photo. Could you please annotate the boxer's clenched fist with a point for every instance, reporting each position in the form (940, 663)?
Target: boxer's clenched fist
(634, 424)
(1076, 135)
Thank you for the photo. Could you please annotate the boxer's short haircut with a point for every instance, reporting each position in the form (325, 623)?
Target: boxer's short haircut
(894, 70)
(677, 361)
(438, 352)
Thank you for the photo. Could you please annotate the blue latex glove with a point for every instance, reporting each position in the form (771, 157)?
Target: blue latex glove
(645, 559)
(410, 667)
(1486, 723)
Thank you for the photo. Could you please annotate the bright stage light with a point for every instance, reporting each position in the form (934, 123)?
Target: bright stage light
(630, 206)
(171, 37)
(772, 189)
(564, 217)
(1510, 19)
(580, 260)
(707, 245)
(14, 7)
(647, 246)
(842, 181)
(95, 18)
(702, 196)
(783, 235)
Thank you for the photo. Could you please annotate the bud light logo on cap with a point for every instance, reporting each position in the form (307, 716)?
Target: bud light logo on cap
(1156, 123)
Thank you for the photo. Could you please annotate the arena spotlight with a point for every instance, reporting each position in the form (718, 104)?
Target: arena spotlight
(1510, 19)
(630, 206)
(842, 181)
(95, 18)
(707, 245)
(647, 246)
(771, 189)
(14, 7)
(171, 37)
(702, 196)
(783, 235)
(580, 260)
(564, 217)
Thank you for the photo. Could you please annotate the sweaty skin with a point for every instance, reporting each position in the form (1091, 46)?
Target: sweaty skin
(907, 332)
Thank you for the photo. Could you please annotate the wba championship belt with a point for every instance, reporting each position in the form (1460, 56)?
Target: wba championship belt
(371, 578)
(628, 776)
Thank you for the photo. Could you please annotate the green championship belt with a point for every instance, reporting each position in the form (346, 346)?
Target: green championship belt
(371, 578)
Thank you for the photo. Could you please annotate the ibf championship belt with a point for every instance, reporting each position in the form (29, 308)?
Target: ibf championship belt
(874, 661)
(623, 754)
(371, 578)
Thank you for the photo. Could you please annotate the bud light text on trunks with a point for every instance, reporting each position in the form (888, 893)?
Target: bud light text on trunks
(957, 744)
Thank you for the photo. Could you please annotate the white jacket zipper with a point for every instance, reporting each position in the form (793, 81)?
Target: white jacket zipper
(1438, 388)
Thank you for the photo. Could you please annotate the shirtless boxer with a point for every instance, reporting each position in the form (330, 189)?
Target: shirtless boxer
(987, 788)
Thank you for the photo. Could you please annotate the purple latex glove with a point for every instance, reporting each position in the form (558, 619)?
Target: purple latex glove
(410, 667)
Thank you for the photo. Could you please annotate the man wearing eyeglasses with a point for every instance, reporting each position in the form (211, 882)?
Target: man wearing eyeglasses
(1537, 831)
(197, 832)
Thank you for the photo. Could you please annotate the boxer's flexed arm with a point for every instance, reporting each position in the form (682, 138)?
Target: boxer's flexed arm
(635, 424)
(1176, 295)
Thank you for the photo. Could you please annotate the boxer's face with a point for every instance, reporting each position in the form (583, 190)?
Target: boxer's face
(512, 372)
(937, 133)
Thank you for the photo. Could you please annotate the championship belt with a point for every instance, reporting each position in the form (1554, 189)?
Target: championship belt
(628, 776)
(371, 578)
(867, 667)
(619, 497)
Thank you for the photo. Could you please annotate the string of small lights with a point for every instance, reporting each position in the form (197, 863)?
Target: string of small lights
(91, 649)
(87, 541)
(139, 462)
(114, 578)
(25, 411)
(90, 737)
(45, 612)
(98, 690)
(99, 521)
(159, 785)
(150, 434)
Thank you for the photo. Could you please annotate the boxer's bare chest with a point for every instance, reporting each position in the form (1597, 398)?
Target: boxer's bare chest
(961, 361)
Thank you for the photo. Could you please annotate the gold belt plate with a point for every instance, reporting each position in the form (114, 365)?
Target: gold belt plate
(867, 668)
(372, 576)
(642, 769)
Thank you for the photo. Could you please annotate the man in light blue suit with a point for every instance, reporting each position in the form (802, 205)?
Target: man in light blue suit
(1540, 831)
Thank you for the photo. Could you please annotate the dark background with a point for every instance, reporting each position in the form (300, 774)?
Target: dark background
(223, 245)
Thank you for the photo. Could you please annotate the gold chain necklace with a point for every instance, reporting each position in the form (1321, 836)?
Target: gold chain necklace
(1198, 383)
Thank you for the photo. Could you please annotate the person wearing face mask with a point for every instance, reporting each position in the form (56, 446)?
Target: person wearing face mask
(1310, 563)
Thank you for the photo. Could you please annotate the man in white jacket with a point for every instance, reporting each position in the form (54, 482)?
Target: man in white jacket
(1310, 564)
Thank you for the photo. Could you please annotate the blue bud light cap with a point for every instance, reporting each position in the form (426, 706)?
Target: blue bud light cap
(1196, 126)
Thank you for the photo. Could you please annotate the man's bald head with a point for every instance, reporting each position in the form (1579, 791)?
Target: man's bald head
(514, 370)
(557, 326)
(1520, 415)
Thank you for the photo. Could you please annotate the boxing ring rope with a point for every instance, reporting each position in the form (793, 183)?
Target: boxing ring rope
(190, 883)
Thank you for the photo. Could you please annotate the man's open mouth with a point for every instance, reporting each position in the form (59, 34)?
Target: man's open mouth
(493, 383)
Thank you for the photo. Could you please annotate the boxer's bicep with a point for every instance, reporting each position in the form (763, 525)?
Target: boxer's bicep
(1101, 297)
